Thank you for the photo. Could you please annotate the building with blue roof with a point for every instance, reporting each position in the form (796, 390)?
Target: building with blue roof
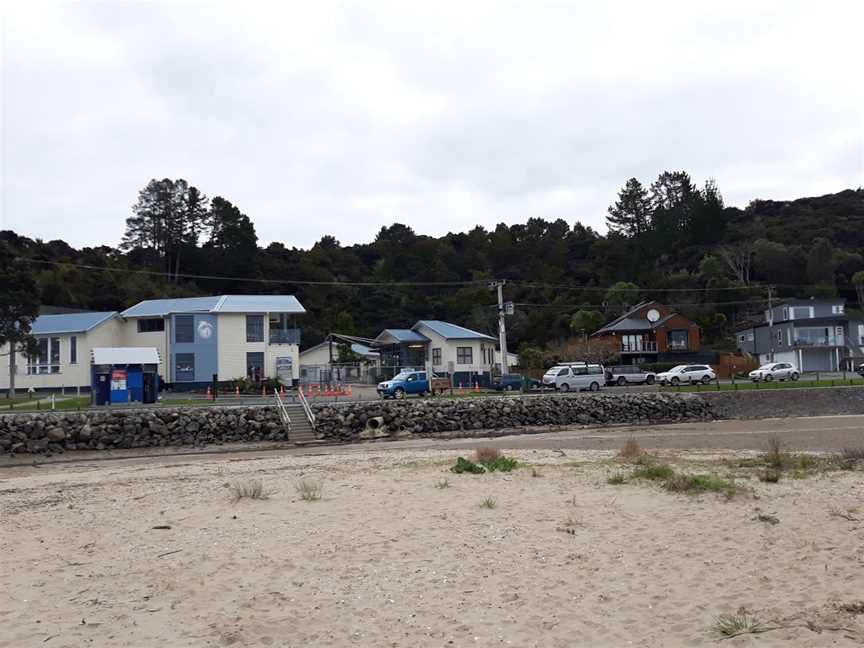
(197, 338)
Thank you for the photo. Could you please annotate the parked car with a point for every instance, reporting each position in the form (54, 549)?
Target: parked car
(629, 374)
(411, 382)
(775, 371)
(687, 374)
(514, 382)
(578, 376)
(860, 370)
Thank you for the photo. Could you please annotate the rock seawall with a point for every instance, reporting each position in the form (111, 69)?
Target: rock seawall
(55, 432)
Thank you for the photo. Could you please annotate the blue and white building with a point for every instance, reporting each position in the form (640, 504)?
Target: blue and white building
(228, 336)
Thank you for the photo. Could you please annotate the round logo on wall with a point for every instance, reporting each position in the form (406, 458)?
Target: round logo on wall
(205, 330)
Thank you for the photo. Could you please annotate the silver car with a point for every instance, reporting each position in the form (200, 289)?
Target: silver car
(775, 371)
(580, 375)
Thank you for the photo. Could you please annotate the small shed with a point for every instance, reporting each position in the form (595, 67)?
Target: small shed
(124, 375)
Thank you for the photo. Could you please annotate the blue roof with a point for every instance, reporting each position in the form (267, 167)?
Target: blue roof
(69, 322)
(404, 335)
(216, 304)
(453, 331)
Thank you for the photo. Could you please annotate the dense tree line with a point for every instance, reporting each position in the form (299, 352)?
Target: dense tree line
(672, 240)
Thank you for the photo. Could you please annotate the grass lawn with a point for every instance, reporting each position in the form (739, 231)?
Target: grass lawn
(745, 385)
(67, 404)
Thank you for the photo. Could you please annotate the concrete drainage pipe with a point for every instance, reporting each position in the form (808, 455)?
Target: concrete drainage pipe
(375, 423)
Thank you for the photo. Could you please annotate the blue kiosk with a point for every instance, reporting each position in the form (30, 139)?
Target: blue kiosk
(124, 375)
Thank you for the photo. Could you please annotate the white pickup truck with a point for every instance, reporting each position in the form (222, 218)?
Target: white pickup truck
(629, 375)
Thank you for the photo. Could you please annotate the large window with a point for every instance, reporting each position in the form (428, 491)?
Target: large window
(801, 312)
(282, 330)
(254, 328)
(255, 366)
(184, 367)
(47, 358)
(631, 342)
(814, 336)
(837, 309)
(184, 326)
(678, 340)
(73, 350)
(464, 355)
(151, 325)
(436, 357)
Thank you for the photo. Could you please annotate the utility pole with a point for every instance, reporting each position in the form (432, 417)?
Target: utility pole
(502, 328)
(770, 324)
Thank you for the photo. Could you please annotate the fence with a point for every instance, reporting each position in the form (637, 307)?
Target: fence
(332, 375)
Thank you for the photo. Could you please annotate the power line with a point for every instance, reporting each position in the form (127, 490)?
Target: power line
(679, 305)
(296, 282)
(407, 284)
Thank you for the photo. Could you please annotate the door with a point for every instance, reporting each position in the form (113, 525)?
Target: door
(149, 387)
(103, 389)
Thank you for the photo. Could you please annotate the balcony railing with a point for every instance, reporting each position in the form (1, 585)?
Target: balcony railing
(284, 336)
(645, 346)
(817, 342)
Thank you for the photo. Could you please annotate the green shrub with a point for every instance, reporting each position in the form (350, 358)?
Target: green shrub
(465, 466)
(740, 622)
(692, 484)
(488, 503)
(655, 473)
(617, 479)
(442, 484)
(501, 464)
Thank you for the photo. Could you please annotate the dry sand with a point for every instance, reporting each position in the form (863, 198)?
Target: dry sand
(387, 559)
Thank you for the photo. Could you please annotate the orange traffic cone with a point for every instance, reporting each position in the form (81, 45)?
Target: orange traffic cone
(476, 387)
(263, 391)
(282, 389)
(348, 393)
(209, 393)
(237, 391)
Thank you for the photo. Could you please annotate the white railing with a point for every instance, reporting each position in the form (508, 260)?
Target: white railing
(283, 412)
(308, 410)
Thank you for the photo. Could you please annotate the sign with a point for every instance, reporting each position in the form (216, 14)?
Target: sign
(205, 330)
(285, 369)
(118, 379)
(508, 308)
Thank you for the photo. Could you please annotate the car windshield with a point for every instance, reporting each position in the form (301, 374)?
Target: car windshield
(678, 369)
(768, 366)
(402, 375)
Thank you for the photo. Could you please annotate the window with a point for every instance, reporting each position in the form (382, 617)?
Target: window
(254, 328)
(780, 337)
(563, 372)
(464, 355)
(631, 342)
(184, 367)
(73, 350)
(151, 325)
(814, 336)
(678, 340)
(184, 328)
(861, 334)
(436, 357)
(802, 312)
(255, 362)
(786, 313)
(837, 309)
(740, 338)
(282, 331)
(47, 358)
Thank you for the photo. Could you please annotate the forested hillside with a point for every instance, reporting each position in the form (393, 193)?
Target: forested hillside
(672, 240)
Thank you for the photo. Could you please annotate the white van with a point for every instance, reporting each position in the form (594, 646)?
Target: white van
(577, 376)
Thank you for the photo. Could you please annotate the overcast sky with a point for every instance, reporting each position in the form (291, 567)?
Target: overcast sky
(337, 118)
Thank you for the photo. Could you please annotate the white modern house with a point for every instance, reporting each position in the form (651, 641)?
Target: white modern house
(197, 338)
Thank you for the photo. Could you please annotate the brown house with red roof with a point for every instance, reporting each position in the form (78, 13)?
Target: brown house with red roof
(652, 332)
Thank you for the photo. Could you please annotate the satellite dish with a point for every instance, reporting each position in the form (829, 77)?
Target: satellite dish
(653, 315)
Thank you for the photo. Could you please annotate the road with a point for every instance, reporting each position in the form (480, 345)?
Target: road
(815, 434)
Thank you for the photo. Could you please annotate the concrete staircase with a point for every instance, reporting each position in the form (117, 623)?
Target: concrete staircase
(301, 431)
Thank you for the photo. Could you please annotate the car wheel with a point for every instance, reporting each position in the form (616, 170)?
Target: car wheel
(621, 381)
(706, 379)
(508, 388)
(769, 377)
(649, 380)
(594, 387)
(565, 387)
(675, 381)
(794, 376)
(399, 394)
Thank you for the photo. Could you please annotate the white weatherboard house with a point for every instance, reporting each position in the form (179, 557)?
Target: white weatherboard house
(451, 349)
(65, 345)
(229, 336)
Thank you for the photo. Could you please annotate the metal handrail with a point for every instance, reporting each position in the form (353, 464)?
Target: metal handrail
(305, 403)
(283, 412)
